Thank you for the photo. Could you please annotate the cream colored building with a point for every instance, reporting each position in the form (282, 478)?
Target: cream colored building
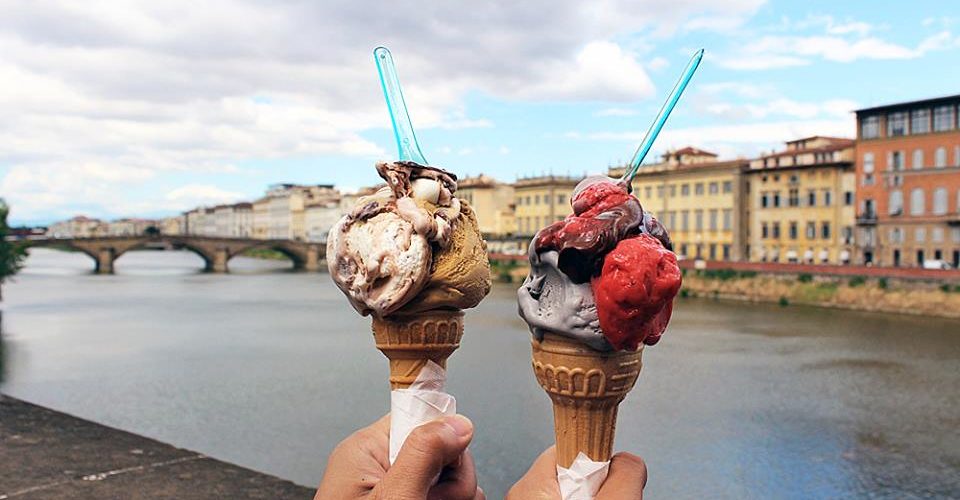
(493, 202)
(318, 218)
(697, 198)
(79, 226)
(541, 201)
(261, 218)
(233, 221)
(173, 226)
(286, 204)
(801, 202)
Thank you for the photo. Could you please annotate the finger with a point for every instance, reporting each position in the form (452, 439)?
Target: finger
(374, 441)
(540, 482)
(427, 450)
(457, 482)
(626, 480)
(480, 494)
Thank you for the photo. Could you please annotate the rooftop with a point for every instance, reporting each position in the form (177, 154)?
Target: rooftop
(934, 101)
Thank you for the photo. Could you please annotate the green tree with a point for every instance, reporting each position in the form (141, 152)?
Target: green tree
(12, 253)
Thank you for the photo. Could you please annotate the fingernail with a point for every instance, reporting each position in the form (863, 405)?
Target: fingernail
(460, 424)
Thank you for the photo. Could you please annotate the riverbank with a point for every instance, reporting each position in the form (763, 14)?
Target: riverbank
(52, 455)
(854, 292)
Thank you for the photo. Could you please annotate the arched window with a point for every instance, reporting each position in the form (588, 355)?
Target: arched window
(940, 201)
(896, 202)
(917, 158)
(917, 202)
(940, 157)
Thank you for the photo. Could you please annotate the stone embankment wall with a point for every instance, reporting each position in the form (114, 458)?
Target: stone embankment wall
(855, 292)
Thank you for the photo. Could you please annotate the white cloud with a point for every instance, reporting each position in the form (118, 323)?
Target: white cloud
(658, 63)
(504, 150)
(193, 195)
(141, 85)
(779, 107)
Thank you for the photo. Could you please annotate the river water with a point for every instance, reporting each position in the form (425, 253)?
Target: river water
(270, 368)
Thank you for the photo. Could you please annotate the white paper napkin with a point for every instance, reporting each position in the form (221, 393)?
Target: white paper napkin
(583, 479)
(422, 402)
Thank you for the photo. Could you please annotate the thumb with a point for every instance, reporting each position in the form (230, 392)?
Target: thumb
(424, 454)
(626, 480)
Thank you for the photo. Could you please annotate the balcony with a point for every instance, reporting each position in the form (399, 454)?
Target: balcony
(867, 219)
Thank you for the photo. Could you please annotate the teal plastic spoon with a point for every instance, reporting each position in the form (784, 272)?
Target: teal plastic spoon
(657, 124)
(402, 128)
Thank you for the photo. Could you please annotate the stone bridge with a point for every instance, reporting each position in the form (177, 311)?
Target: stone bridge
(216, 252)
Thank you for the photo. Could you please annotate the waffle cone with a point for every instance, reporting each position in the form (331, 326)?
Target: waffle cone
(586, 387)
(410, 341)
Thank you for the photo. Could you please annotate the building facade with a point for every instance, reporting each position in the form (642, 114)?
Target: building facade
(79, 226)
(800, 203)
(908, 183)
(697, 199)
(541, 201)
(494, 203)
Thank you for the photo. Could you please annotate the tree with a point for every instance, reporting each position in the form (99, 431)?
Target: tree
(12, 253)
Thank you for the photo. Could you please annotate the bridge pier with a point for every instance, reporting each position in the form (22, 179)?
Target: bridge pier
(105, 258)
(219, 262)
(312, 262)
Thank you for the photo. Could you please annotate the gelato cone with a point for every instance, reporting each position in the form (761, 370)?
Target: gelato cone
(601, 286)
(409, 342)
(586, 388)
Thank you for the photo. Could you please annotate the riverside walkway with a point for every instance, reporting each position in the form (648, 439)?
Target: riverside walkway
(49, 455)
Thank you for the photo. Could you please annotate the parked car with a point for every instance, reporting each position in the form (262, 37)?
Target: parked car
(936, 264)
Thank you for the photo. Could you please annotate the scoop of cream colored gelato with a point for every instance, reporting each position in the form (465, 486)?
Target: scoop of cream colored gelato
(411, 247)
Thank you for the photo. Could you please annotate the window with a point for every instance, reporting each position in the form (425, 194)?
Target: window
(726, 252)
(536, 199)
(917, 202)
(825, 230)
(940, 157)
(763, 200)
(776, 230)
(672, 218)
(685, 190)
(943, 118)
(763, 230)
(685, 220)
(776, 199)
(698, 220)
(648, 192)
(848, 198)
(811, 198)
(920, 121)
(956, 156)
(940, 201)
(868, 163)
(793, 230)
(955, 234)
(920, 235)
(713, 219)
(870, 127)
(896, 202)
(698, 188)
(794, 197)
(917, 158)
(528, 200)
(727, 186)
(714, 188)
(673, 190)
(811, 230)
(561, 198)
(895, 160)
(659, 191)
(897, 124)
(727, 219)
(936, 235)
(896, 235)
(847, 235)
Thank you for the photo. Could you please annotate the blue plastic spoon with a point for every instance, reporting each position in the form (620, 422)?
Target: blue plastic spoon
(657, 124)
(402, 128)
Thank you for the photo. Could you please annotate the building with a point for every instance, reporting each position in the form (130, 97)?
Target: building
(698, 199)
(286, 204)
(261, 218)
(233, 221)
(131, 227)
(800, 203)
(908, 183)
(318, 218)
(79, 226)
(540, 201)
(494, 203)
(173, 226)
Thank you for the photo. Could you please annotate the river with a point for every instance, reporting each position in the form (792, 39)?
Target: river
(270, 368)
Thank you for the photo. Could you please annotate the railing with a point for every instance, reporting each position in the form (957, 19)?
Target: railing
(867, 219)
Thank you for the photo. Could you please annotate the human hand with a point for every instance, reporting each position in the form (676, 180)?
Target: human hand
(626, 480)
(433, 464)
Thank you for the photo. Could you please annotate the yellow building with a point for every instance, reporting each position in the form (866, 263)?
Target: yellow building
(801, 202)
(541, 201)
(493, 202)
(697, 199)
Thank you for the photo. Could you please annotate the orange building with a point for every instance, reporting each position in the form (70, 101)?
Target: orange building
(908, 183)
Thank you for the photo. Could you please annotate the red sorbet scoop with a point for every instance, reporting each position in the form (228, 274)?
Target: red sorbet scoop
(634, 292)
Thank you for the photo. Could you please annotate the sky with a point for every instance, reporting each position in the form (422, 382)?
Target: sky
(124, 108)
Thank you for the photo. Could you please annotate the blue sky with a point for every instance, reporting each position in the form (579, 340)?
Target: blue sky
(146, 110)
